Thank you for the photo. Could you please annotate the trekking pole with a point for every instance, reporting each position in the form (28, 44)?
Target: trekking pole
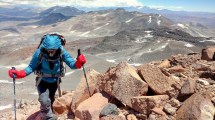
(79, 53)
(14, 92)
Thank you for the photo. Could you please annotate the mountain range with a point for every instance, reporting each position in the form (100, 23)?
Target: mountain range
(177, 16)
(142, 30)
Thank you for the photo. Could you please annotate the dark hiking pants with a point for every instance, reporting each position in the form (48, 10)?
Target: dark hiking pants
(46, 98)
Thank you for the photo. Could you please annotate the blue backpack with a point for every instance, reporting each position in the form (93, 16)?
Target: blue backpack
(58, 55)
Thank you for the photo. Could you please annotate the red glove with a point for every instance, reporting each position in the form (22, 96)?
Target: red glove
(80, 61)
(19, 74)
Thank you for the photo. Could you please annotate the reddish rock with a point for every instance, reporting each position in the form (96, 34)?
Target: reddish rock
(144, 104)
(158, 82)
(176, 69)
(188, 87)
(196, 107)
(62, 104)
(123, 83)
(158, 111)
(208, 53)
(91, 108)
(81, 92)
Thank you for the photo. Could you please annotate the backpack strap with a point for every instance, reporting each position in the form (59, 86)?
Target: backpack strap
(40, 75)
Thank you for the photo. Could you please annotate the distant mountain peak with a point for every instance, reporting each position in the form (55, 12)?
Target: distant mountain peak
(66, 11)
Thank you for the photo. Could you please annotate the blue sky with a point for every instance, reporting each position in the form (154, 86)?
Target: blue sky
(187, 5)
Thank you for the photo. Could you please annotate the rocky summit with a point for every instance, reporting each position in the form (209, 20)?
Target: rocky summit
(181, 87)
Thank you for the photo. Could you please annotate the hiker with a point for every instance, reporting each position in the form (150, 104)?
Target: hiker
(47, 62)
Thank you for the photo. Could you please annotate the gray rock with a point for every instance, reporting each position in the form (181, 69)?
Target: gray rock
(109, 109)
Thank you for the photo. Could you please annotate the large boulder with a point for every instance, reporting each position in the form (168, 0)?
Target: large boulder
(158, 82)
(62, 104)
(187, 89)
(208, 53)
(81, 91)
(91, 108)
(144, 104)
(123, 83)
(197, 107)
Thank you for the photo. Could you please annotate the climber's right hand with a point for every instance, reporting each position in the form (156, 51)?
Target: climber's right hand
(81, 60)
(18, 74)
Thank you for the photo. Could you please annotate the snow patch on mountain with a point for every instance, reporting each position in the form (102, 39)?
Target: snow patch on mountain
(150, 19)
(149, 50)
(139, 7)
(129, 20)
(140, 39)
(135, 64)
(8, 82)
(148, 35)
(159, 22)
(188, 45)
(102, 26)
(208, 41)
(17, 66)
(9, 35)
(148, 31)
(104, 15)
(182, 26)
(161, 47)
(5, 107)
(73, 31)
(112, 61)
(85, 34)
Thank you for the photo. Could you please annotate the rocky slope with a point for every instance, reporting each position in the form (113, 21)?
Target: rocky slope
(145, 45)
(178, 88)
